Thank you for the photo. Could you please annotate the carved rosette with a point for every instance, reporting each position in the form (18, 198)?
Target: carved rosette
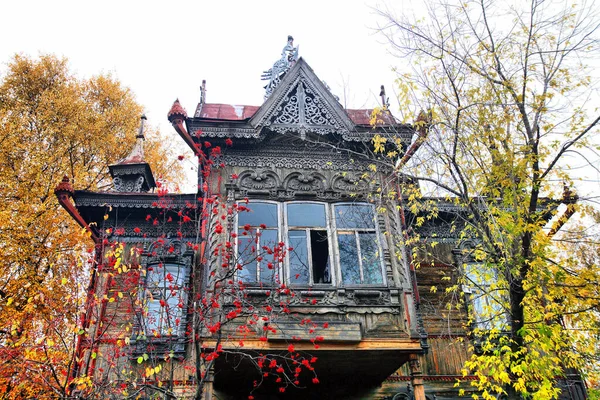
(128, 185)
(258, 181)
(350, 183)
(301, 183)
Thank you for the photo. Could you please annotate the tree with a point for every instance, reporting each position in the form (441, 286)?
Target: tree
(508, 91)
(169, 302)
(53, 124)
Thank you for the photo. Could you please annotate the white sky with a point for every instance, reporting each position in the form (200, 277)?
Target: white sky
(162, 50)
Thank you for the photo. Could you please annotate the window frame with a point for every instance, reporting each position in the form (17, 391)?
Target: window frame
(256, 229)
(486, 311)
(177, 331)
(336, 276)
(307, 229)
(356, 232)
(483, 305)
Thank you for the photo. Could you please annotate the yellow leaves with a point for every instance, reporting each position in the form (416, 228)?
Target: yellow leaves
(379, 143)
(142, 358)
(372, 167)
(153, 370)
(9, 301)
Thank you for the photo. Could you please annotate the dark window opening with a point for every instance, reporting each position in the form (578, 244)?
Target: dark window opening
(320, 256)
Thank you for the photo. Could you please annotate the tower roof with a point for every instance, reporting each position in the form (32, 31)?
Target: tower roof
(133, 174)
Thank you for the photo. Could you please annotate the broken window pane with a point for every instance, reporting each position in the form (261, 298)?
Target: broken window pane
(319, 246)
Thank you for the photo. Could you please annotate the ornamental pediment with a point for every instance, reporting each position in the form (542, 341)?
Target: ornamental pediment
(302, 104)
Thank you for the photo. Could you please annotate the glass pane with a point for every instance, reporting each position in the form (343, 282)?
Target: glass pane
(306, 214)
(165, 276)
(371, 264)
(299, 273)
(349, 258)
(246, 256)
(260, 213)
(354, 216)
(175, 275)
(154, 316)
(268, 237)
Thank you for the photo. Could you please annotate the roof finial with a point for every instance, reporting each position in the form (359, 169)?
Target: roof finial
(137, 153)
(177, 112)
(140, 134)
(203, 92)
(289, 56)
(385, 101)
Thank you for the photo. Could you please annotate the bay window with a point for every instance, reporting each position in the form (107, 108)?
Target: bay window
(328, 244)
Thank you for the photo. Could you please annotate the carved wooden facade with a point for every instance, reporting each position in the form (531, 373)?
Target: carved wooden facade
(301, 150)
(301, 156)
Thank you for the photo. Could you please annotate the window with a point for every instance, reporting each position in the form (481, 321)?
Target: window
(309, 260)
(359, 255)
(485, 297)
(165, 299)
(483, 289)
(257, 228)
(330, 243)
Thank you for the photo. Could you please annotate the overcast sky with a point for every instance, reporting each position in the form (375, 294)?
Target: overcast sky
(163, 50)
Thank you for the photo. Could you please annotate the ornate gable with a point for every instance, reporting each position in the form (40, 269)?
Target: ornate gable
(302, 103)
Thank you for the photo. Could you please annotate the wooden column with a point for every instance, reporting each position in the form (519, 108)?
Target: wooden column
(209, 384)
(416, 377)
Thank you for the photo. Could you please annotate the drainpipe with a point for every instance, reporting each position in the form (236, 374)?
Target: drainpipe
(422, 126)
(177, 115)
(64, 193)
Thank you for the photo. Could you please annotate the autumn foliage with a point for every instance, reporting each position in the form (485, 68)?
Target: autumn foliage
(52, 124)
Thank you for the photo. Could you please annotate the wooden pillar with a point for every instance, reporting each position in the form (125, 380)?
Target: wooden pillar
(416, 377)
(209, 384)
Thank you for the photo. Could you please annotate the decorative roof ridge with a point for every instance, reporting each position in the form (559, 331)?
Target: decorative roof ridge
(82, 192)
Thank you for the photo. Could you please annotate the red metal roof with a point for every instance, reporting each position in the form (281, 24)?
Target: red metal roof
(227, 111)
(237, 113)
(363, 117)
